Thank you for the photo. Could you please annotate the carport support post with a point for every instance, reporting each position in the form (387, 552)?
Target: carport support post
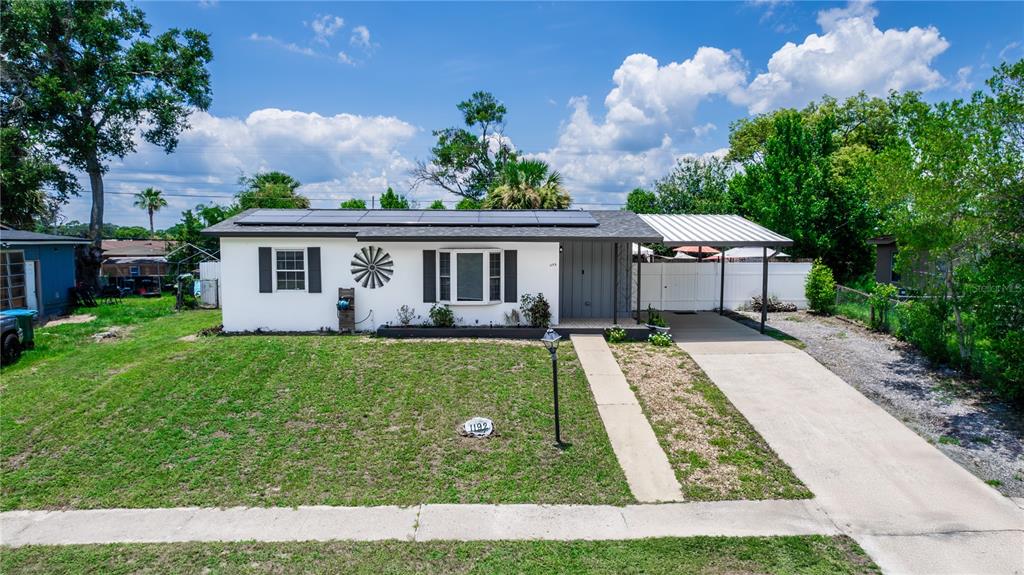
(764, 287)
(721, 284)
(615, 287)
(639, 260)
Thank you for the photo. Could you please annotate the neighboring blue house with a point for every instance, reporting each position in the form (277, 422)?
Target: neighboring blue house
(37, 271)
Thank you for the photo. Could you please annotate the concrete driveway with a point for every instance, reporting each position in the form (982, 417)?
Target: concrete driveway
(912, 509)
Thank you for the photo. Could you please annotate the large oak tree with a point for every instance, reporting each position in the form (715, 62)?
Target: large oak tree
(85, 78)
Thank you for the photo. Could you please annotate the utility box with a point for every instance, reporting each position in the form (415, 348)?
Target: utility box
(347, 310)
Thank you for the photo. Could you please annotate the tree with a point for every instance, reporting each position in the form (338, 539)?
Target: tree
(437, 205)
(952, 186)
(86, 78)
(26, 172)
(353, 204)
(392, 201)
(802, 188)
(466, 161)
(641, 201)
(151, 200)
(469, 204)
(528, 185)
(132, 233)
(270, 190)
(696, 186)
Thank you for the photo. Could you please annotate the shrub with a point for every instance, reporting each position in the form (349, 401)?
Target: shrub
(820, 288)
(881, 302)
(441, 316)
(774, 304)
(654, 317)
(512, 318)
(660, 339)
(536, 310)
(923, 324)
(615, 334)
(406, 315)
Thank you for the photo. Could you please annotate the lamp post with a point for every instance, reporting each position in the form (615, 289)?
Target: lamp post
(550, 341)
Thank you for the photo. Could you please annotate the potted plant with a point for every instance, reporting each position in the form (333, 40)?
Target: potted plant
(655, 322)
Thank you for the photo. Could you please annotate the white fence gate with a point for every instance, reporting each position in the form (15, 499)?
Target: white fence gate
(694, 286)
(209, 284)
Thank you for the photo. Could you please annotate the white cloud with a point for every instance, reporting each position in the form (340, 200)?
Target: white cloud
(289, 46)
(325, 26)
(361, 37)
(346, 59)
(963, 79)
(336, 157)
(650, 102)
(851, 55)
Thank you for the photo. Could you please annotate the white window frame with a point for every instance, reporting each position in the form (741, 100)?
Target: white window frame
(485, 280)
(305, 270)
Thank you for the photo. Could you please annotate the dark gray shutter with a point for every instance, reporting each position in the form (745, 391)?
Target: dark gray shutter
(511, 289)
(266, 271)
(313, 255)
(429, 276)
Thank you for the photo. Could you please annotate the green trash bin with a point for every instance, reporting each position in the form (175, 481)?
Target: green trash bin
(25, 318)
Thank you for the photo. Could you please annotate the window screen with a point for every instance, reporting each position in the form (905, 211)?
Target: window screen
(445, 274)
(470, 280)
(495, 275)
(291, 271)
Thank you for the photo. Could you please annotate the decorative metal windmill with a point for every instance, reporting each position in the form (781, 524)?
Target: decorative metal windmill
(372, 267)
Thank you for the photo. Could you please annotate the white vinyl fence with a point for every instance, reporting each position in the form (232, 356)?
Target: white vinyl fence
(693, 286)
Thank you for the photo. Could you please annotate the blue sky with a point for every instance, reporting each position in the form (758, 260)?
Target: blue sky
(344, 96)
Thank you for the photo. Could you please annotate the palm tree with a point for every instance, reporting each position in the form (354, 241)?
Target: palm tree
(528, 185)
(151, 200)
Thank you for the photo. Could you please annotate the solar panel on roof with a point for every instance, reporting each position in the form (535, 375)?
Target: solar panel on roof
(482, 218)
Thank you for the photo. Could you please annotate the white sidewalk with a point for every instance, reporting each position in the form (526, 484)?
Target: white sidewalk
(419, 523)
(648, 472)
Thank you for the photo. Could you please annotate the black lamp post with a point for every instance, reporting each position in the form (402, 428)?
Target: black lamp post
(550, 341)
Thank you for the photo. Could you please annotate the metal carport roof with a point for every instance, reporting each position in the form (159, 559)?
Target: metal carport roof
(712, 230)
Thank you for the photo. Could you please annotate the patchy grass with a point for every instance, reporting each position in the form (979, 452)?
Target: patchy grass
(994, 482)
(58, 340)
(715, 452)
(810, 555)
(948, 440)
(149, 420)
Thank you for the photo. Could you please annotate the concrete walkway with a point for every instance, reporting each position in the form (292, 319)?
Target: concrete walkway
(419, 523)
(648, 472)
(912, 509)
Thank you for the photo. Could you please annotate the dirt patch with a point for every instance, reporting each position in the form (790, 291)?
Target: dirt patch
(979, 432)
(114, 333)
(79, 318)
(189, 338)
(716, 453)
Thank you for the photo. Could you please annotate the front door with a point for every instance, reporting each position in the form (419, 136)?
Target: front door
(587, 279)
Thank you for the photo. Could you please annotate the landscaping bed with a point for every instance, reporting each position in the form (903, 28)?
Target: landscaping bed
(715, 452)
(971, 426)
(158, 418)
(707, 555)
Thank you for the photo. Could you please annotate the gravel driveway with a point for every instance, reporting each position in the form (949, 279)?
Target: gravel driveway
(983, 435)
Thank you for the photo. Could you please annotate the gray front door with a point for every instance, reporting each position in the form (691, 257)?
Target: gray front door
(587, 283)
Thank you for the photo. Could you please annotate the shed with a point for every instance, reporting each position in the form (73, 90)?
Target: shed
(37, 271)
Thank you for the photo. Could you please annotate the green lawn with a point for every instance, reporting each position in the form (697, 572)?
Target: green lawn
(704, 555)
(715, 452)
(150, 420)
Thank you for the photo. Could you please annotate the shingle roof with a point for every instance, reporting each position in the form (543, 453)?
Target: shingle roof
(114, 248)
(22, 236)
(611, 225)
(712, 230)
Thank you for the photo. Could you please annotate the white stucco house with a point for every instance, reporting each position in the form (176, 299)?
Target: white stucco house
(281, 270)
